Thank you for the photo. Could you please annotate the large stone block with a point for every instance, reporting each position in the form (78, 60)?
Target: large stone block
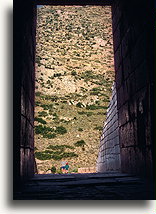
(116, 14)
(22, 154)
(132, 82)
(133, 161)
(126, 67)
(117, 162)
(132, 109)
(128, 134)
(118, 58)
(29, 136)
(119, 76)
(123, 25)
(126, 43)
(23, 107)
(141, 75)
(139, 52)
(123, 114)
(29, 111)
(116, 147)
(23, 131)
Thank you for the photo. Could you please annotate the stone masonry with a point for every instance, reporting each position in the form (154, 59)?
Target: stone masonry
(109, 150)
(24, 85)
(132, 34)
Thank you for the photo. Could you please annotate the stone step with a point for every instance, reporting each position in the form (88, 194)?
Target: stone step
(91, 186)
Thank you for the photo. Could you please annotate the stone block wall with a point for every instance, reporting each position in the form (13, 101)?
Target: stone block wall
(87, 170)
(133, 53)
(109, 150)
(27, 97)
(24, 81)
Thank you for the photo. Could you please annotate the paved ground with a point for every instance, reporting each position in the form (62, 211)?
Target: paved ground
(93, 186)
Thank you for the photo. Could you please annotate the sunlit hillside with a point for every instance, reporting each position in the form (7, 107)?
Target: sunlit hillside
(74, 76)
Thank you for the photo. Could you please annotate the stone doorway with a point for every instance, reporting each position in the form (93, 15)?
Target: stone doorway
(134, 69)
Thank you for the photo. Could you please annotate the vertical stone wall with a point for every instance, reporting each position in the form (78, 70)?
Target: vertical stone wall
(109, 150)
(27, 98)
(24, 80)
(133, 51)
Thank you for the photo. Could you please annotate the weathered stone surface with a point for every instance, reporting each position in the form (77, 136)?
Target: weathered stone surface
(94, 186)
(87, 170)
(25, 72)
(109, 152)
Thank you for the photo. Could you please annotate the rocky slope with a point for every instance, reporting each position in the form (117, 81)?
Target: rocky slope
(74, 75)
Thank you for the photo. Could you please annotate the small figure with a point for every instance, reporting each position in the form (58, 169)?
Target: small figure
(65, 168)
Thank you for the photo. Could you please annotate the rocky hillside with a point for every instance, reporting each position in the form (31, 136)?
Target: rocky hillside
(74, 75)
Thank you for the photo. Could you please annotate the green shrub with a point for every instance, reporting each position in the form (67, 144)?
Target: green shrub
(89, 113)
(43, 114)
(59, 171)
(37, 103)
(96, 89)
(80, 129)
(49, 136)
(40, 120)
(69, 154)
(101, 113)
(80, 143)
(56, 117)
(38, 93)
(79, 105)
(38, 58)
(53, 99)
(57, 75)
(61, 130)
(41, 79)
(94, 107)
(47, 156)
(43, 130)
(84, 89)
(97, 102)
(106, 100)
(75, 170)
(39, 129)
(55, 147)
(81, 112)
(54, 152)
(53, 169)
(42, 156)
(87, 75)
(48, 82)
(100, 128)
(64, 101)
(47, 106)
(49, 98)
(73, 73)
(94, 93)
